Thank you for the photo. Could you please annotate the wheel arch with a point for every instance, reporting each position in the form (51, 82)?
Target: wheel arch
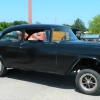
(82, 62)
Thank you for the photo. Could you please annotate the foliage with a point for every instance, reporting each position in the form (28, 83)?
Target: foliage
(37, 22)
(78, 24)
(4, 24)
(67, 25)
(19, 22)
(94, 25)
(1, 28)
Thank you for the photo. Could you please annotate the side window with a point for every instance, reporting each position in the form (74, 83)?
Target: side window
(12, 36)
(59, 34)
(63, 34)
(35, 35)
(38, 36)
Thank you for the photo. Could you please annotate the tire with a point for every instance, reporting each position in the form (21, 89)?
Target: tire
(88, 81)
(3, 70)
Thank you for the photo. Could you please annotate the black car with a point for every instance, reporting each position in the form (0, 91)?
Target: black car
(52, 49)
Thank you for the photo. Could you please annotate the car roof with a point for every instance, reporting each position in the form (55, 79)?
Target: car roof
(33, 25)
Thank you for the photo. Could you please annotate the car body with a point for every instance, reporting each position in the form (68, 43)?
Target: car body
(60, 52)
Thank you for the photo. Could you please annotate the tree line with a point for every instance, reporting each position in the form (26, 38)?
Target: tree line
(94, 24)
(4, 24)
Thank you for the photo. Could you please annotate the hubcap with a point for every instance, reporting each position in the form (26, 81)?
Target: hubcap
(88, 82)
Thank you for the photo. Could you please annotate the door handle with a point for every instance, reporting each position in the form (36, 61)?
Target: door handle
(23, 43)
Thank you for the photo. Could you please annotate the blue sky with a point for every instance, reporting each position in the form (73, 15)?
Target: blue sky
(45, 11)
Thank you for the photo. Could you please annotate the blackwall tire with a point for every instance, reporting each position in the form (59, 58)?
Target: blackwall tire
(3, 70)
(88, 81)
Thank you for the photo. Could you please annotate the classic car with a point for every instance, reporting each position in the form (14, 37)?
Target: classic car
(52, 49)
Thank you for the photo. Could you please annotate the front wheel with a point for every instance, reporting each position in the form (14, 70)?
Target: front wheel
(88, 81)
(3, 70)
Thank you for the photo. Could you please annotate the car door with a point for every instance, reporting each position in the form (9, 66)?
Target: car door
(66, 50)
(9, 49)
(38, 55)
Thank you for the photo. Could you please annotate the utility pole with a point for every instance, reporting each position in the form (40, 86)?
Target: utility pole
(30, 11)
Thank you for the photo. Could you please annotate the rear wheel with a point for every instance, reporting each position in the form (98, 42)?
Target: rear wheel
(88, 81)
(3, 70)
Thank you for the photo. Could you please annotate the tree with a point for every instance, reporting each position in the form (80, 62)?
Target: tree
(1, 28)
(78, 24)
(4, 25)
(67, 25)
(19, 22)
(37, 22)
(94, 25)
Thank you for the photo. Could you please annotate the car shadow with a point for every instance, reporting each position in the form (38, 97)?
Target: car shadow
(53, 80)
(59, 81)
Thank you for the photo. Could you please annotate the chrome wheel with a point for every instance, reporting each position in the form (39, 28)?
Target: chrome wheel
(3, 69)
(0, 65)
(88, 82)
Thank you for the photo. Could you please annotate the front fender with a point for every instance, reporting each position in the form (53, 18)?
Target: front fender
(78, 58)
